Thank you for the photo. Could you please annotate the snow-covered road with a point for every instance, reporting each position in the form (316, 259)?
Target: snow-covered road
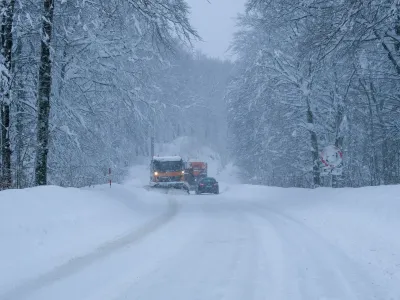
(227, 246)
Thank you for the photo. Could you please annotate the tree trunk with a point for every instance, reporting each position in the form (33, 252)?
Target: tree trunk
(19, 146)
(6, 148)
(314, 147)
(373, 136)
(387, 155)
(19, 94)
(6, 49)
(44, 92)
(338, 138)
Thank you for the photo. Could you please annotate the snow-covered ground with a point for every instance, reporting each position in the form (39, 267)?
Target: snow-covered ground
(249, 242)
(44, 227)
(353, 233)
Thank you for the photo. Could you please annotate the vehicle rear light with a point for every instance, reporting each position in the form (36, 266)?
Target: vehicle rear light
(201, 184)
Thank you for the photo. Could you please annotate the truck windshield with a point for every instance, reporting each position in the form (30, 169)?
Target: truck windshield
(167, 166)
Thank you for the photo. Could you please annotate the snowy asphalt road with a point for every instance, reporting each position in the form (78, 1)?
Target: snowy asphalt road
(209, 247)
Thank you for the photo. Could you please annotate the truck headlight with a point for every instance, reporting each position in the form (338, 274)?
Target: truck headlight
(155, 173)
(183, 172)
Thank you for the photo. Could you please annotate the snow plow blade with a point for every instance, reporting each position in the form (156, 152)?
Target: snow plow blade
(170, 186)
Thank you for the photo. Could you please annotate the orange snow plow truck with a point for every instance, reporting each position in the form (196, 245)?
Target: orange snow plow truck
(198, 168)
(168, 171)
(194, 171)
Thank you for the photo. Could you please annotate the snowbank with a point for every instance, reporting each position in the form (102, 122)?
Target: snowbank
(46, 226)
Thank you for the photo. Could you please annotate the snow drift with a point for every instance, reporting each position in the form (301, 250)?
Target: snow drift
(44, 227)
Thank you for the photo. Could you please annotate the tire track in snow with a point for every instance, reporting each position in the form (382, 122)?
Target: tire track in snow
(274, 274)
(217, 264)
(245, 274)
(78, 263)
(323, 270)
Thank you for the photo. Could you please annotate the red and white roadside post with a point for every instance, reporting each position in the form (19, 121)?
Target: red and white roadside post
(332, 162)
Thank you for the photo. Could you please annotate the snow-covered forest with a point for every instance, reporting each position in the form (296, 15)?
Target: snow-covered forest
(85, 83)
(311, 74)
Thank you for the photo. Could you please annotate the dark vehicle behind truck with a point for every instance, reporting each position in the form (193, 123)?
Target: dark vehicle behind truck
(207, 185)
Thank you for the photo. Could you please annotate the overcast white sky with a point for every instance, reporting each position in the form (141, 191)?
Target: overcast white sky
(214, 20)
